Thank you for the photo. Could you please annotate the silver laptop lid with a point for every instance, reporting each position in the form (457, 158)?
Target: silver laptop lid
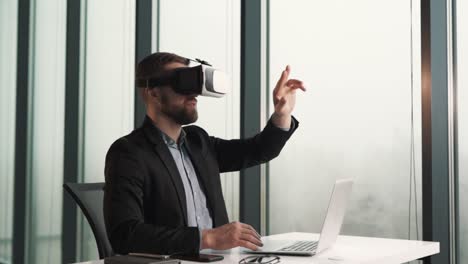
(336, 210)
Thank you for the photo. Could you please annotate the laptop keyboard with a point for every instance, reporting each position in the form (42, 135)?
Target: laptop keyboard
(301, 246)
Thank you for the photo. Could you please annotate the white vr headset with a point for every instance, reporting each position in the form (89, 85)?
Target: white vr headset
(201, 80)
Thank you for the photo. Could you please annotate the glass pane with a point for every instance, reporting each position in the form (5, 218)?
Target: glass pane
(48, 96)
(109, 89)
(462, 90)
(184, 31)
(8, 28)
(360, 65)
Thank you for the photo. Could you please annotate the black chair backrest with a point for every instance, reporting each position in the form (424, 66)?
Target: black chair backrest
(90, 196)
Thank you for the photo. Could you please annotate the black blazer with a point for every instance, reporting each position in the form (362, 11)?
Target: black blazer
(144, 199)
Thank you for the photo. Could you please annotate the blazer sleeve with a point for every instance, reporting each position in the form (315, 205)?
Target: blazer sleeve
(123, 210)
(237, 154)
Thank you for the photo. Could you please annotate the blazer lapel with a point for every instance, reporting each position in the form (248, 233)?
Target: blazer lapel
(166, 157)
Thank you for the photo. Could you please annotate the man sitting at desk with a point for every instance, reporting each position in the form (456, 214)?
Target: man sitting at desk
(163, 191)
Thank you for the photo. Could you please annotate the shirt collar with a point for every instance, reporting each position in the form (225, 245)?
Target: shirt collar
(169, 141)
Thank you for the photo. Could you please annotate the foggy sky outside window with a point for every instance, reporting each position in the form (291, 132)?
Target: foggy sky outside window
(355, 119)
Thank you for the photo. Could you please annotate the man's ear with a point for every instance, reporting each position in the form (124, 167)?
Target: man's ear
(152, 94)
(155, 96)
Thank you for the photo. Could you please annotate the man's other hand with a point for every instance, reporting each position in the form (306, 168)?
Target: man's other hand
(284, 98)
(231, 235)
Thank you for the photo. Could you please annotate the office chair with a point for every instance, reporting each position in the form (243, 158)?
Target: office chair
(90, 196)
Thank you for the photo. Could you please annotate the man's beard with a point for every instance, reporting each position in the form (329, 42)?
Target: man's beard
(179, 114)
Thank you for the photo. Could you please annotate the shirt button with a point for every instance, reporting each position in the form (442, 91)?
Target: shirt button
(198, 217)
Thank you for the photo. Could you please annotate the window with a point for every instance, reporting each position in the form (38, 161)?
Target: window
(462, 112)
(361, 63)
(109, 61)
(8, 32)
(47, 93)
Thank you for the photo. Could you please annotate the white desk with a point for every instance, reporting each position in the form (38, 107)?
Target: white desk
(347, 250)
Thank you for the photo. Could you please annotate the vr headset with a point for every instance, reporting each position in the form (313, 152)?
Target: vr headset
(201, 80)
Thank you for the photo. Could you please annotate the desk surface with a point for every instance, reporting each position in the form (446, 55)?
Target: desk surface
(347, 250)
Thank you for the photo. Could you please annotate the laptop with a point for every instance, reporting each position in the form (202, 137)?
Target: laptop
(330, 229)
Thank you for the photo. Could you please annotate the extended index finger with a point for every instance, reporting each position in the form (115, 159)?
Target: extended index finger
(284, 77)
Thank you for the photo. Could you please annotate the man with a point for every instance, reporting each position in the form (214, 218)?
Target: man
(163, 191)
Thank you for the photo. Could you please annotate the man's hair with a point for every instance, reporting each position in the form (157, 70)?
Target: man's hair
(153, 65)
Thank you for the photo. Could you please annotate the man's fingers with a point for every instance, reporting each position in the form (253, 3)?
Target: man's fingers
(284, 77)
(284, 86)
(249, 227)
(285, 74)
(250, 232)
(293, 83)
(247, 244)
(251, 238)
(295, 87)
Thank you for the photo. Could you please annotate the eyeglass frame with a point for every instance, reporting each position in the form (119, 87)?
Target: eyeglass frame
(275, 259)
